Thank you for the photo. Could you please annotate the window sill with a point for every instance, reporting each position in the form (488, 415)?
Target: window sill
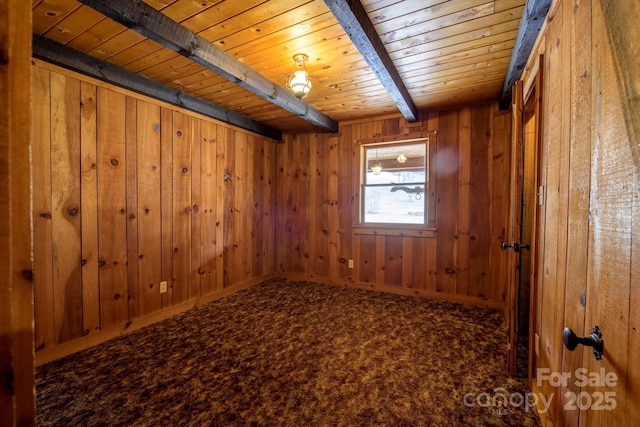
(394, 230)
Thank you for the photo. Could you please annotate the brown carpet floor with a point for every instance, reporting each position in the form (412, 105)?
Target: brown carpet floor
(288, 353)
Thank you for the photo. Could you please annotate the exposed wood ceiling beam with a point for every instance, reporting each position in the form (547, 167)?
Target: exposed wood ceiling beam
(51, 51)
(153, 24)
(532, 19)
(358, 26)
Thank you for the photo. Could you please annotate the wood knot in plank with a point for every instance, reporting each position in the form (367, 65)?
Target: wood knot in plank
(27, 275)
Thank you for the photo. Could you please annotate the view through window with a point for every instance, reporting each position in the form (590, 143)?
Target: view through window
(394, 180)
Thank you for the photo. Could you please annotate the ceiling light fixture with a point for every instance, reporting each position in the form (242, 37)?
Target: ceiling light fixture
(376, 167)
(299, 82)
(401, 158)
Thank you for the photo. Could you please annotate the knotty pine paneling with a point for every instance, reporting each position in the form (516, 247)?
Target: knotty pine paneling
(112, 207)
(148, 207)
(129, 192)
(579, 156)
(479, 210)
(65, 206)
(180, 282)
(447, 199)
(17, 393)
(555, 214)
(317, 189)
(89, 198)
(131, 143)
(208, 206)
(41, 202)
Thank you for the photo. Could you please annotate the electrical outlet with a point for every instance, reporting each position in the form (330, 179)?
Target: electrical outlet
(163, 286)
(350, 263)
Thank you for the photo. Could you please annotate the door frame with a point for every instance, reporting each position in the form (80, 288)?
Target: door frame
(514, 228)
(532, 99)
(526, 95)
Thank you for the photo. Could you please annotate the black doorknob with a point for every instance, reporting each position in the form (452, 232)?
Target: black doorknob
(594, 340)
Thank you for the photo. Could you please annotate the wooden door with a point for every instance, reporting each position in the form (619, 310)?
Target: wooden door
(593, 216)
(523, 217)
(613, 275)
(514, 227)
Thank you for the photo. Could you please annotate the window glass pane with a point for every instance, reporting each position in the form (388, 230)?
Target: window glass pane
(395, 164)
(394, 204)
(395, 176)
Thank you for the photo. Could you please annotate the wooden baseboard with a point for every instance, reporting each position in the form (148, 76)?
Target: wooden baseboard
(464, 299)
(91, 340)
(70, 347)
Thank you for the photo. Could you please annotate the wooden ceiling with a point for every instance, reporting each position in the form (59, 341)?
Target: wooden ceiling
(445, 53)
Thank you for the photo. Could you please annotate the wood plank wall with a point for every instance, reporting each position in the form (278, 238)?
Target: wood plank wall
(129, 192)
(588, 271)
(461, 261)
(17, 392)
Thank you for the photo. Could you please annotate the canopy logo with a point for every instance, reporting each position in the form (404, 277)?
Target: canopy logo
(500, 400)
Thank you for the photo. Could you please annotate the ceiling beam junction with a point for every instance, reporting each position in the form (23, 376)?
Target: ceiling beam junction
(531, 21)
(151, 23)
(355, 21)
(56, 53)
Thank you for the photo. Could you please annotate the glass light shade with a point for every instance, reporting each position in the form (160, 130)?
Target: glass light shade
(376, 168)
(300, 84)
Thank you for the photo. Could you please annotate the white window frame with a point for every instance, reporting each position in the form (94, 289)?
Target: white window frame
(391, 228)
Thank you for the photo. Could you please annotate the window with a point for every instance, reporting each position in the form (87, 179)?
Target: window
(395, 183)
